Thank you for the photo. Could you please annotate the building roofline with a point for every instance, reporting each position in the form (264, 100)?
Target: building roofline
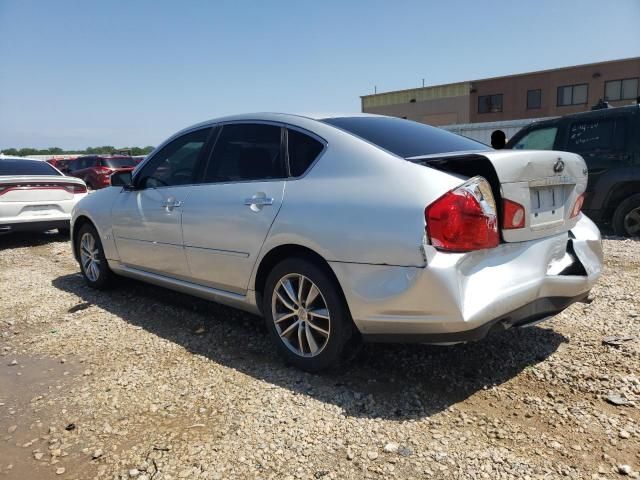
(558, 69)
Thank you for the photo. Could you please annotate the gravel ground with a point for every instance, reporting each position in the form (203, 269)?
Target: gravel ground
(140, 382)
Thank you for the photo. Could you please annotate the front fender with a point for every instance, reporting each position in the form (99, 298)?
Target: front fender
(96, 207)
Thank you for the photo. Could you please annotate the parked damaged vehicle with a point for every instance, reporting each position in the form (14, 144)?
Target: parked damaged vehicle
(348, 228)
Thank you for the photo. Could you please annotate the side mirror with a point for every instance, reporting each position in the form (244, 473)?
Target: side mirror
(122, 179)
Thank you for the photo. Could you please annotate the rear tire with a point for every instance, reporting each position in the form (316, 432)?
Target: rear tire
(312, 323)
(626, 218)
(93, 263)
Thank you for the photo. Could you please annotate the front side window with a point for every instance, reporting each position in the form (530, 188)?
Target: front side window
(246, 151)
(597, 135)
(573, 95)
(534, 99)
(626, 89)
(540, 139)
(175, 164)
(303, 150)
(490, 103)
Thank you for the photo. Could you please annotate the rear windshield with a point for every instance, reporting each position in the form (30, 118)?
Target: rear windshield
(405, 138)
(10, 166)
(119, 162)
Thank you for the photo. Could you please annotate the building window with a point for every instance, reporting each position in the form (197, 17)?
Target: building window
(490, 103)
(573, 94)
(534, 99)
(626, 89)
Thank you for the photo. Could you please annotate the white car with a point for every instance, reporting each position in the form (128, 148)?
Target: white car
(344, 227)
(35, 196)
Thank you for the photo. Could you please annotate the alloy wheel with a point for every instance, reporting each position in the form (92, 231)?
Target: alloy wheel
(632, 222)
(89, 256)
(300, 315)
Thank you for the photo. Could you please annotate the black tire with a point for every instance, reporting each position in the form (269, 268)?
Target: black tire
(625, 221)
(338, 323)
(104, 276)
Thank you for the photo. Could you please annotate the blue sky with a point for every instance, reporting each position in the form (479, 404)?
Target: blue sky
(86, 73)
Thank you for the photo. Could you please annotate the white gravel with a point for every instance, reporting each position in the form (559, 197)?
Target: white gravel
(140, 382)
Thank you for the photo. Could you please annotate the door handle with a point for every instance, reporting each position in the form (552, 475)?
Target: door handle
(171, 203)
(262, 201)
(258, 201)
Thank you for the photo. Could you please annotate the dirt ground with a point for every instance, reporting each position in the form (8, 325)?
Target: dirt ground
(141, 382)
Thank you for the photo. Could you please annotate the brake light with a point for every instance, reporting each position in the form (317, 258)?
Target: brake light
(76, 189)
(512, 215)
(104, 170)
(464, 219)
(577, 206)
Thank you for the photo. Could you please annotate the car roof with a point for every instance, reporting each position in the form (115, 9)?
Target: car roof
(602, 112)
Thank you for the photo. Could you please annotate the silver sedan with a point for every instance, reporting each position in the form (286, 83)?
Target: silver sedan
(338, 229)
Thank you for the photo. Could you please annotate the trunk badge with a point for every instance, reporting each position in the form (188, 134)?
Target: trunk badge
(558, 166)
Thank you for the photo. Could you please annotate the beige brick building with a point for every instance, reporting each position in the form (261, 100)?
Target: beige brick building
(545, 93)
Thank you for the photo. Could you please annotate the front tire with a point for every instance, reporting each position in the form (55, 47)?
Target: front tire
(306, 315)
(93, 263)
(626, 219)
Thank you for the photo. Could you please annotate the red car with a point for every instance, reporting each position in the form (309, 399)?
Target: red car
(96, 170)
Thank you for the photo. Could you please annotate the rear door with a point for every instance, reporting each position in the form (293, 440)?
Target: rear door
(228, 216)
(147, 220)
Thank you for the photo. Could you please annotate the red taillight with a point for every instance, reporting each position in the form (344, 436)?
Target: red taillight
(463, 219)
(104, 170)
(76, 188)
(512, 215)
(577, 206)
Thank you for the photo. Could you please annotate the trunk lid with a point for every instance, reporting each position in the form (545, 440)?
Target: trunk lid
(546, 184)
(37, 189)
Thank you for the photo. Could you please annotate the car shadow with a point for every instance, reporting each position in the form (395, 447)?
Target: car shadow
(31, 239)
(396, 382)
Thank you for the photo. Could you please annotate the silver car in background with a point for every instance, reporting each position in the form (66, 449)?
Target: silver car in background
(348, 227)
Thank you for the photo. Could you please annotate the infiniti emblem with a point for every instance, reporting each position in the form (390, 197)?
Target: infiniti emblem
(558, 166)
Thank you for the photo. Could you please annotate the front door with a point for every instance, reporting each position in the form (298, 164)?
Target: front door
(227, 218)
(147, 219)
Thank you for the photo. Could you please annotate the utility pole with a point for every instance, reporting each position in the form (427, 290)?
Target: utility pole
(375, 89)
(423, 83)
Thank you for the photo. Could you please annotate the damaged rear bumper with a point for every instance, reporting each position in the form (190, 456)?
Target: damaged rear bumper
(462, 297)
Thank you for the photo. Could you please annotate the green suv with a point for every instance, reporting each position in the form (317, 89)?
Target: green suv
(609, 141)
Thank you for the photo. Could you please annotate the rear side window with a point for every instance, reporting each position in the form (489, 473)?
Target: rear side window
(25, 167)
(303, 150)
(404, 137)
(606, 134)
(119, 162)
(246, 151)
(540, 139)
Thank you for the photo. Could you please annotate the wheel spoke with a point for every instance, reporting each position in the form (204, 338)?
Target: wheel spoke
(290, 328)
(311, 296)
(324, 332)
(300, 338)
(300, 288)
(320, 313)
(285, 302)
(288, 288)
(313, 345)
(284, 317)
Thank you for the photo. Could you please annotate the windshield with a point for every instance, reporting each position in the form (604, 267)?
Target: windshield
(405, 138)
(120, 162)
(18, 166)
